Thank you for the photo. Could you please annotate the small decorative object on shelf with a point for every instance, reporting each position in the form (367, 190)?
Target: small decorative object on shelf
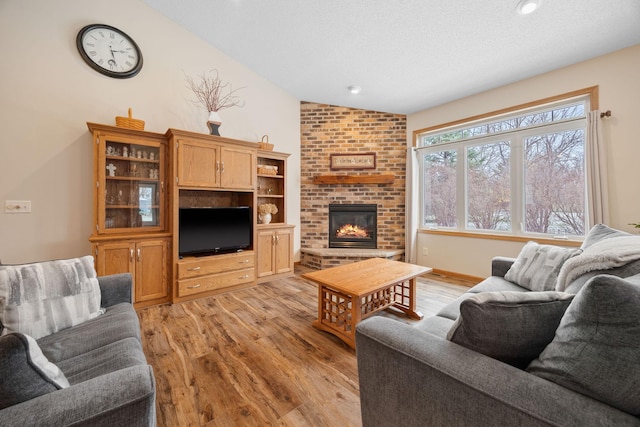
(265, 211)
(112, 169)
(129, 122)
(213, 95)
(264, 145)
(267, 170)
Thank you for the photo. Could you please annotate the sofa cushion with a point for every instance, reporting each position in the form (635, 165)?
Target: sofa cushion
(537, 266)
(604, 255)
(600, 232)
(119, 322)
(597, 345)
(42, 298)
(496, 284)
(104, 360)
(25, 371)
(513, 327)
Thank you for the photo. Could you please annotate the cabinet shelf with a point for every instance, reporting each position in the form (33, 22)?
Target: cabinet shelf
(262, 175)
(131, 207)
(271, 196)
(132, 159)
(131, 178)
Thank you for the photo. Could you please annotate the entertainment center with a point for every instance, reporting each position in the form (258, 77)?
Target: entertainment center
(179, 211)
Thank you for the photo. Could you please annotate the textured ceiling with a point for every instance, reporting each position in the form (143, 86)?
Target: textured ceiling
(407, 55)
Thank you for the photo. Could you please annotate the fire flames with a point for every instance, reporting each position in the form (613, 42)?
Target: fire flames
(352, 231)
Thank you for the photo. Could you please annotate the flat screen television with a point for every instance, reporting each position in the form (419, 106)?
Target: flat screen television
(208, 231)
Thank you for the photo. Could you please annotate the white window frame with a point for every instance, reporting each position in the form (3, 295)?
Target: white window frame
(517, 173)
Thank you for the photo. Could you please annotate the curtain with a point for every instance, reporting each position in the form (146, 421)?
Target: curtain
(596, 160)
(412, 207)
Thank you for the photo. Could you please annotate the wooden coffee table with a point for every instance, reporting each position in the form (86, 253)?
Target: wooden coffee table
(352, 292)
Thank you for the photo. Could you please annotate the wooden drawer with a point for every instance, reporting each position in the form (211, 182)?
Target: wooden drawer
(215, 281)
(195, 267)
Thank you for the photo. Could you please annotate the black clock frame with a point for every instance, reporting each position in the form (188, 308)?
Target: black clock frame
(98, 68)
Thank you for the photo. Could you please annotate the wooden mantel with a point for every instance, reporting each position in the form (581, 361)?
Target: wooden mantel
(354, 179)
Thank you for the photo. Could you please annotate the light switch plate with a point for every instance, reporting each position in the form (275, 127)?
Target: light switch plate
(17, 206)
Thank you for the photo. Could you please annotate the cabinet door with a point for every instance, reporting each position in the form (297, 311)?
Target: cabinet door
(237, 168)
(266, 244)
(130, 184)
(114, 258)
(151, 270)
(198, 164)
(283, 256)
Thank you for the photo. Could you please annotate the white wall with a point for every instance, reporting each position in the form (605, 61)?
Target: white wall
(618, 78)
(47, 94)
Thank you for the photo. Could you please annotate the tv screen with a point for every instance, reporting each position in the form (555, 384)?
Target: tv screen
(207, 231)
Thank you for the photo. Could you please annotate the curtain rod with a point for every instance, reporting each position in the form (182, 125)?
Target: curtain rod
(605, 114)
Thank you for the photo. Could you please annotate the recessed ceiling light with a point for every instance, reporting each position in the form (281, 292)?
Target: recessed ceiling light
(526, 7)
(354, 89)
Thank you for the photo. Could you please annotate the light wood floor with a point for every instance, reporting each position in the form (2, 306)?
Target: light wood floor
(251, 357)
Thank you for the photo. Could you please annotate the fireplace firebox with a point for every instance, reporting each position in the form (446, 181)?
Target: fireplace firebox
(353, 226)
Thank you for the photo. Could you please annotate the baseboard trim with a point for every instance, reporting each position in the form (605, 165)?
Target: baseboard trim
(460, 276)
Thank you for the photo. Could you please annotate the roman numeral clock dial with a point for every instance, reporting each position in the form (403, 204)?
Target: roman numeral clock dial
(109, 51)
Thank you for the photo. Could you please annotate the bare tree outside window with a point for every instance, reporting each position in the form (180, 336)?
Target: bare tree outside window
(547, 191)
(440, 189)
(554, 183)
(489, 187)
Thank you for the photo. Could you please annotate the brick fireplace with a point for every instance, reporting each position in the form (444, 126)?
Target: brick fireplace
(326, 130)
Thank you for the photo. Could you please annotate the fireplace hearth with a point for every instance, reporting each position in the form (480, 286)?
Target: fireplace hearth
(353, 226)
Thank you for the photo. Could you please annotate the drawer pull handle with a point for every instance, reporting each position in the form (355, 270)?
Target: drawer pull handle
(193, 269)
(246, 276)
(194, 286)
(246, 261)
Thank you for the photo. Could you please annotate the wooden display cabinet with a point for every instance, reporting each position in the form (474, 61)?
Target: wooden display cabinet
(206, 161)
(146, 260)
(271, 173)
(130, 209)
(275, 239)
(275, 251)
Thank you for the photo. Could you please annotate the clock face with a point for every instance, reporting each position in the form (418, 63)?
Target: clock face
(109, 51)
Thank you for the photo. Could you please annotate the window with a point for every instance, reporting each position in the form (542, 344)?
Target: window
(519, 173)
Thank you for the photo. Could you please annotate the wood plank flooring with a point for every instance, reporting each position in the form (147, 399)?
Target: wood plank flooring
(252, 358)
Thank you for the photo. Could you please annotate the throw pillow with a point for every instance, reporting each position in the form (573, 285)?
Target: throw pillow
(42, 298)
(597, 345)
(25, 371)
(600, 232)
(513, 327)
(537, 266)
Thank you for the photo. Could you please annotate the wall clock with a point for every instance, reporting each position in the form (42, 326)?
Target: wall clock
(109, 51)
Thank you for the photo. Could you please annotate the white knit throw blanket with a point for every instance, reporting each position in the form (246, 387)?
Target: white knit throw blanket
(603, 255)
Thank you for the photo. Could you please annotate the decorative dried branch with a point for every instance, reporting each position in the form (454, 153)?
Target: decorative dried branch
(212, 94)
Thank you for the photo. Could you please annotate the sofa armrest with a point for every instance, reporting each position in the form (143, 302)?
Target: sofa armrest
(411, 377)
(124, 397)
(500, 265)
(116, 288)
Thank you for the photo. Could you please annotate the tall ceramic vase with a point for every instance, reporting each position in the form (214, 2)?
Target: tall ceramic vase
(213, 122)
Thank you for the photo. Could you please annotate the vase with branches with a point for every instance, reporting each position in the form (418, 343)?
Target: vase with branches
(214, 95)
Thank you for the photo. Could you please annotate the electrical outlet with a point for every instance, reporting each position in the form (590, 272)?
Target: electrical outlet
(17, 206)
(425, 251)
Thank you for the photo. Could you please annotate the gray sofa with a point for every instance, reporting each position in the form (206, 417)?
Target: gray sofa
(111, 383)
(415, 375)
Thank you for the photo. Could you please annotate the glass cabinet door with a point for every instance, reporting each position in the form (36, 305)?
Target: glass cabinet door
(133, 185)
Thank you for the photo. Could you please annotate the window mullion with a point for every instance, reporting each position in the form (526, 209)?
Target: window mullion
(461, 188)
(517, 185)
